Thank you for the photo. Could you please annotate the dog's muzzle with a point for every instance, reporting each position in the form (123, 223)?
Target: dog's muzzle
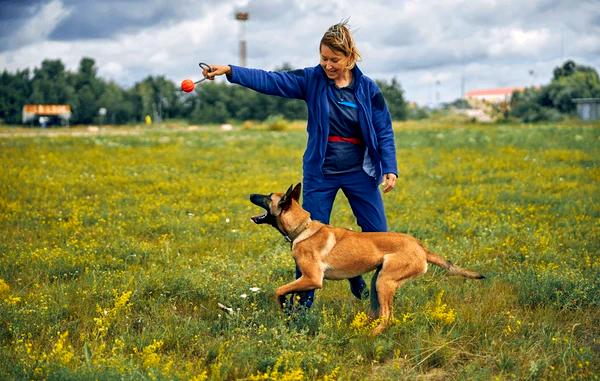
(262, 201)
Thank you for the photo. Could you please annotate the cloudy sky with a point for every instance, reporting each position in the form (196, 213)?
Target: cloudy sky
(436, 49)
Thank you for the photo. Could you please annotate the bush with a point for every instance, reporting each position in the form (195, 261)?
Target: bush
(551, 102)
(276, 123)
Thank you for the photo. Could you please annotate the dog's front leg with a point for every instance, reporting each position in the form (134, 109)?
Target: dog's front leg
(303, 283)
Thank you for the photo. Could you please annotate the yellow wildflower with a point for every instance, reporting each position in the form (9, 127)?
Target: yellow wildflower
(12, 300)
(121, 301)
(200, 377)
(107, 316)
(62, 351)
(440, 311)
(333, 375)
(149, 356)
(360, 321)
(288, 375)
(296, 374)
(4, 287)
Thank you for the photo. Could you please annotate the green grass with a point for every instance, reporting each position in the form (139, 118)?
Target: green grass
(117, 248)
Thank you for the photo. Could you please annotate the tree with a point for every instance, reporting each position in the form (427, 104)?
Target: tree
(51, 84)
(571, 81)
(14, 90)
(157, 97)
(527, 106)
(211, 104)
(394, 98)
(565, 70)
(118, 103)
(88, 88)
(87, 93)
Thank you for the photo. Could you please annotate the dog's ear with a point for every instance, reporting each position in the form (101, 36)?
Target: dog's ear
(286, 200)
(296, 192)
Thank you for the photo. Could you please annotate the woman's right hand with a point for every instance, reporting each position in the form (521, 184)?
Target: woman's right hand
(216, 70)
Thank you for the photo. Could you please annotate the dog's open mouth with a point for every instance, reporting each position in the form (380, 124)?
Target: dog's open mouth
(261, 218)
(263, 202)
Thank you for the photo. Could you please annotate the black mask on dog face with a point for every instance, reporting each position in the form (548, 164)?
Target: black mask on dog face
(264, 201)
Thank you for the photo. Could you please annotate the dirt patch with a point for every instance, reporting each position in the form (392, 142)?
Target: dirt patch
(20, 132)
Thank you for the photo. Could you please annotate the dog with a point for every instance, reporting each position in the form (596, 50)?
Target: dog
(325, 252)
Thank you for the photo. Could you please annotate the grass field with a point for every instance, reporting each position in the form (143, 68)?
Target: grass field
(118, 246)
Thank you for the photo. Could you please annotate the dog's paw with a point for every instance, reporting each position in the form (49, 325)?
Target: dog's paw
(282, 300)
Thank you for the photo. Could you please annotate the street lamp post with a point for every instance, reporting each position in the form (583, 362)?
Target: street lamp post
(242, 17)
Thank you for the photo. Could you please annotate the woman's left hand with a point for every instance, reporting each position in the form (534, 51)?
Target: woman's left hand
(389, 182)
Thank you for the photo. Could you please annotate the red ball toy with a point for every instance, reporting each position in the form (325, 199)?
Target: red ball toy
(187, 85)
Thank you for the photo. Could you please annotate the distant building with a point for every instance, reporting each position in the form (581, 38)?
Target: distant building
(44, 112)
(588, 108)
(499, 95)
(489, 104)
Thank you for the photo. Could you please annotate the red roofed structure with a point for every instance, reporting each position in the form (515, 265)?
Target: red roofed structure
(501, 94)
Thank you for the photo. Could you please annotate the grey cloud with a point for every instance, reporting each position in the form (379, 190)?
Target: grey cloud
(18, 10)
(402, 35)
(553, 5)
(105, 19)
(102, 22)
(13, 14)
(409, 59)
(268, 11)
(99, 19)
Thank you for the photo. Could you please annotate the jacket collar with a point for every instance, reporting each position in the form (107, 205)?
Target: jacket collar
(357, 74)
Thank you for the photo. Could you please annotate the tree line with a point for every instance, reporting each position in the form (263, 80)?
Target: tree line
(156, 96)
(160, 98)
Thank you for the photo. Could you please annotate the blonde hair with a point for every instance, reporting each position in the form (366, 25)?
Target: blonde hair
(339, 39)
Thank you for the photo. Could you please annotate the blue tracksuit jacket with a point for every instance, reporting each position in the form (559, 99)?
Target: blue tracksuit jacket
(310, 85)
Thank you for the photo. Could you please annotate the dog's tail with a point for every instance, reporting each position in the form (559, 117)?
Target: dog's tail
(452, 270)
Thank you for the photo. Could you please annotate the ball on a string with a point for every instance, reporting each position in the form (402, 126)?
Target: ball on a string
(187, 85)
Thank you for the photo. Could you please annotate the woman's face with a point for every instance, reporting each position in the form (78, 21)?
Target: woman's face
(333, 62)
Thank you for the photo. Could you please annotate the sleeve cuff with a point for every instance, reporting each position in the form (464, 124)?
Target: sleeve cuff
(231, 75)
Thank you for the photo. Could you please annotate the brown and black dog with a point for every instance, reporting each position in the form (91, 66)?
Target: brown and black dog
(324, 252)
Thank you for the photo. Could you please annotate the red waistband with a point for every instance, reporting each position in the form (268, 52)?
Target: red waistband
(341, 139)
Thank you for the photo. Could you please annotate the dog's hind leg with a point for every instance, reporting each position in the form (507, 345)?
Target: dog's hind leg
(374, 295)
(394, 272)
(386, 288)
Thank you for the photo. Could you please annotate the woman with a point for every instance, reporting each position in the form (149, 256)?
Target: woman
(350, 138)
